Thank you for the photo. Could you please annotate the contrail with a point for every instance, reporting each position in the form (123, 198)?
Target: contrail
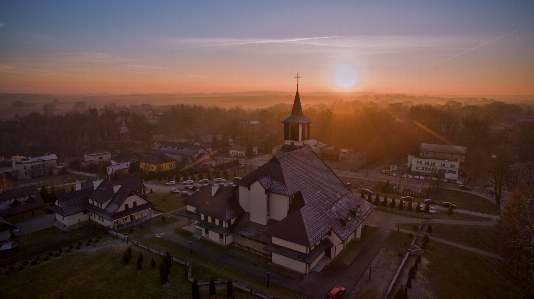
(269, 41)
(482, 44)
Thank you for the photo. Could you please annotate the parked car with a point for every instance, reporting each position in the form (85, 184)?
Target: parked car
(408, 198)
(446, 204)
(236, 179)
(185, 193)
(414, 206)
(175, 191)
(366, 191)
(204, 181)
(8, 245)
(189, 182)
(188, 187)
(428, 200)
(431, 210)
(170, 183)
(336, 292)
(219, 180)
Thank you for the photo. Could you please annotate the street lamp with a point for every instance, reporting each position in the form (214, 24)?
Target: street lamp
(398, 227)
(190, 248)
(268, 278)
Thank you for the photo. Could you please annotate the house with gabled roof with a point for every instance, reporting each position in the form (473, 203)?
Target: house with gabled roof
(157, 162)
(109, 204)
(20, 204)
(293, 206)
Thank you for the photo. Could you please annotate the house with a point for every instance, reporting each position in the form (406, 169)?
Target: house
(20, 204)
(185, 152)
(97, 156)
(238, 151)
(109, 204)
(5, 229)
(157, 162)
(214, 210)
(293, 208)
(27, 168)
(443, 152)
(118, 168)
(435, 167)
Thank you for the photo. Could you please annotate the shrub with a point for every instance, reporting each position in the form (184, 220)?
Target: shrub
(418, 259)
(131, 230)
(37, 258)
(429, 229)
(45, 258)
(88, 244)
(21, 268)
(71, 246)
(450, 211)
(50, 253)
(195, 290)
(78, 247)
(423, 245)
(168, 261)
(164, 198)
(68, 250)
(409, 206)
(126, 257)
(426, 239)
(96, 241)
(410, 235)
(11, 268)
(60, 250)
(140, 261)
(401, 205)
(212, 290)
(417, 207)
(25, 263)
(7, 273)
(392, 203)
(152, 263)
(79, 243)
(415, 226)
(151, 192)
(427, 208)
(57, 254)
(163, 271)
(411, 273)
(409, 283)
(129, 250)
(33, 263)
(377, 200)
(162, 218)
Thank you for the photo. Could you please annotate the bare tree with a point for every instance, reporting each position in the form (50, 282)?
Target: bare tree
(497, 175)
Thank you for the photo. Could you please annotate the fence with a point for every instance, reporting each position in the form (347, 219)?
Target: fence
(189, 265)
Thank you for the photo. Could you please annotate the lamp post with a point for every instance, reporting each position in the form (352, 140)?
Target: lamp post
(398, 227)
(190, 248)
(268, 278)
(370, 272)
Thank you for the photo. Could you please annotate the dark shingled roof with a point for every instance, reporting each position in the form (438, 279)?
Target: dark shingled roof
(20, 200)
(117, 199)
(297, 116)
(89, 183)
(443, 148)
(72, 202)
(327, 200)
(224, 205)
(157, 158)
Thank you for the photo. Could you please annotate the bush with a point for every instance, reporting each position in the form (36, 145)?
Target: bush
(68, 250)
(129, 250)
(417, 208)
(126, 257)
(45, 258)
(401, 205)
(37, 258)
(6, 273)
(71, 246)
(409, 206)
(410, 235)
(162, 218)
(163, 271)
(11, 268)
(229, 288)
(411, 273)
(164, 198)
(195, 290)
(427, 208)
(418, 259)
(78, 247)
(57, 254)
(60, 250)
(409, 283)
(212, 290)
(79, 243)
(21, 268)
(392, 203)
(50, 253)
(140, 261)
(152, 263)
(450, 211)
(151, 192)
(423, 245)
(33, 263)
(426, 239)
(429, 229)
(25, 263)
(415, 226)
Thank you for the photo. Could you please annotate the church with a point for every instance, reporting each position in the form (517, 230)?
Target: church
(293, 208)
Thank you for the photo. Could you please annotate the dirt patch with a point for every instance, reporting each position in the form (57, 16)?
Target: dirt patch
(383, 269)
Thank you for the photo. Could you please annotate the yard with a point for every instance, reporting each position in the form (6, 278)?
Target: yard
(166, 202)
(351, 252)
(55, 180)
(465, 201)
(472, 236)
(97, 271)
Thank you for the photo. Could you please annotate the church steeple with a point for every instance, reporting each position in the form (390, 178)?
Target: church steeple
(296, 126)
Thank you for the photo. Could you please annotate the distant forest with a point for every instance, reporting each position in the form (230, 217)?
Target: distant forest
(380, 130)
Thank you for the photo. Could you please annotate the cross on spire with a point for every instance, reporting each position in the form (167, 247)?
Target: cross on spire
(297, 80)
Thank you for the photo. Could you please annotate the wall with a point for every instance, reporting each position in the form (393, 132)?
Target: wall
(97, 158)
(129, 201)
(288, 244)
(288, 263)
(244, 198)
(279, 205)
(258, 204)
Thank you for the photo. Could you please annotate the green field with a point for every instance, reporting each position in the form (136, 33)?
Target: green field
(99, 272)
(472, 236)
(166, 202)
(465, 201)
(457, 273)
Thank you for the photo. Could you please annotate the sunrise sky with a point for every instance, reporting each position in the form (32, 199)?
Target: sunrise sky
(416, 47)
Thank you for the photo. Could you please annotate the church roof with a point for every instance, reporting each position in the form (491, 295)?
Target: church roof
(327, 202)
(124, 129)
(297, 116)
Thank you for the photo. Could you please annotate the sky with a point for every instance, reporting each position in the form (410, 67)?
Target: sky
(127, 47)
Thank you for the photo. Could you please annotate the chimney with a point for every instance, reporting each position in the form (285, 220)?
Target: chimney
(214, 189)
(78, 185)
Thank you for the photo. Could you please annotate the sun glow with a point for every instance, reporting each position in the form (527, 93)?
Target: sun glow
(345, 77)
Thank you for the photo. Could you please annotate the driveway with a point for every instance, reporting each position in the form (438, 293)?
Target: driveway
(35, 223)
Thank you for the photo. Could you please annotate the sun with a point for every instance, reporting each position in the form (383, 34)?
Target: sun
(345, 77)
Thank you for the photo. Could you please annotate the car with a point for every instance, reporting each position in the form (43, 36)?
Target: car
(383, 171)
(414, 206)
(408, 198)
(185, 193)
(204, 181)
(236, 178)
(336, 292)
(446, 204)
(170, 183)
(366, 191)
(428, 200)
(175, 191)
(188, 182)
(188, 187)
(219, 180)
(8, 245)
(464, 187)
(431, 210)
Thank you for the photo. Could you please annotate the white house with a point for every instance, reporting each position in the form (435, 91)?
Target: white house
(238, 151)
(26, 168)
(97, 156)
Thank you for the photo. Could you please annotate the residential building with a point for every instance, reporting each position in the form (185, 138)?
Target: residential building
(109, 204)
(186, 153)
(119, 168)
(434, 167)
(20, 204)
(238, 151)
(157, 162)
(443, 152)
(97, 156)
(27, 168)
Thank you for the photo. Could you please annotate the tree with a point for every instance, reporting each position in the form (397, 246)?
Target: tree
(409, 207)
(126, 257)
(417, 207)
(497, 174)
(163, 271)
(212, 290)
(392, 204)
(140, 261)
(195, 290)
(152, 263)
(44, 194)
(514, 231)
(450, 211)
(377, 200)
(427, 208)
(384, 202)
(401, 205)
(429, 229)
(229, 288)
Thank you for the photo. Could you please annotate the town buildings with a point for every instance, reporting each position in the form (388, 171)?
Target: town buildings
(26, 168)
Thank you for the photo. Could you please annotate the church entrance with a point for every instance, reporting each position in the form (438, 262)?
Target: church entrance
(328, 252)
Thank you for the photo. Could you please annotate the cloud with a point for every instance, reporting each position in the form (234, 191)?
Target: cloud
(4, 67)
(2, 24)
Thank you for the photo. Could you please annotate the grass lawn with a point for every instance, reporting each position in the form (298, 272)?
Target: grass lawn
(399, 239)
(472, 236)
(166, 202)
(457, 273)
(182, 232)
(438, 215)
(255, 259)
(99, 272)
(465, 201)
(205, 267)
(160, 223)
(351, 252)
